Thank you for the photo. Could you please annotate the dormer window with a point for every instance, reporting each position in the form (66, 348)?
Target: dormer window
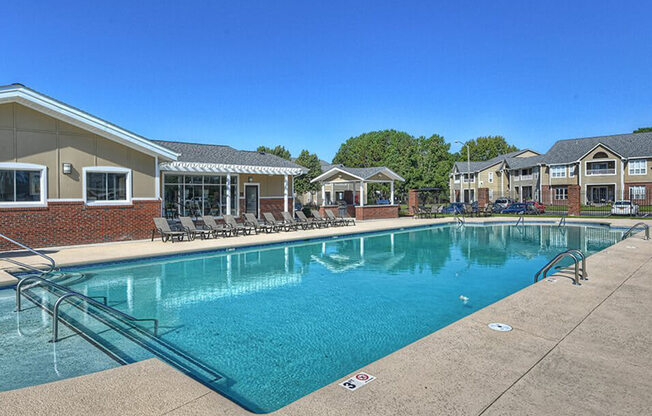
(600, 155)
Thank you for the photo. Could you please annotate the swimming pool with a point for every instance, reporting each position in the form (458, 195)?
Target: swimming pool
(281, 321)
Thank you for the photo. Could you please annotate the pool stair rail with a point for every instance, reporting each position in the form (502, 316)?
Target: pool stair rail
(52, 264)
(521, 220)
(459, 218)
(128, 327)
(633, 228)
(574, 254)
(562, 221)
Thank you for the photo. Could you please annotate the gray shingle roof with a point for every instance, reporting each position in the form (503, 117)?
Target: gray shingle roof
(524, 162)
(477, 166)
(219, 154)
(626, 145)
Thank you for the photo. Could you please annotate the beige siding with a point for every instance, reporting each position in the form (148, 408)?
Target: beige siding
(639, 178)
(601, 179)
(528, 153)
(270, 185)
(32, 137)
(548, 180)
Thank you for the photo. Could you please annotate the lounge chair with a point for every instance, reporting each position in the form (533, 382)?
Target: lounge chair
(237, 227)
(287, 218)
(336, 221)
(317, 216)
(269, 219)
(312, 221)
(163, 227)
(212, 224)
(349, 220)
(192, 231)
(251, 220)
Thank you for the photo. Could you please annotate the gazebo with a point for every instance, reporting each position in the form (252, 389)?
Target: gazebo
(359, 178)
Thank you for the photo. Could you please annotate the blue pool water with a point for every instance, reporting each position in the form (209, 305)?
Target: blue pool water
(279, 322)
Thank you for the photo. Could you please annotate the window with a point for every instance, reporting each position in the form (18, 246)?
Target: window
(558, 171)
(526, 173)
(197, 195)
(107, 185)
(491, 177)
(22, 184)
(601, 168)
(636, 192)
(637, 167)
(571, 171)
(491, 194)
(600, 155)
(561, 192)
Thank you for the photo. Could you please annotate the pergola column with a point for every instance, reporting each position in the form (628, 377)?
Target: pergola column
(391, 193)
(285, 193)
(228, 194)
(323, 193)
(361, 193)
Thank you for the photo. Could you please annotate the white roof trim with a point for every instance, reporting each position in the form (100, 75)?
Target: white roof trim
(595, 147)
(387, 171)
(46, 105)
(224, 168)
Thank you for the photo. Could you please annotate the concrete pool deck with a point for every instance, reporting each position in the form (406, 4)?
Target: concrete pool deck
(574, 350)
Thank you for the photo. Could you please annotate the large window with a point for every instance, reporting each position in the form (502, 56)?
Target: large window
(636, 192)
(558, 171)
(197, 195)
(107, 185)
(561, 193)
(22, 184)
(637, 167)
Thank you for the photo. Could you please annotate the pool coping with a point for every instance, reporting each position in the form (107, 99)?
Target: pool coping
(603, 280)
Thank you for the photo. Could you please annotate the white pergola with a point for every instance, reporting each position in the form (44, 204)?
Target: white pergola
(360, 176)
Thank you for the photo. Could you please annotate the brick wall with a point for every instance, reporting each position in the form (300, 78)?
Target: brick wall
(350, 210)
(376, 212)
(483, 197)
(574, 200)
(72, 223)
(545, 194)
(648, 191)
(413, 200)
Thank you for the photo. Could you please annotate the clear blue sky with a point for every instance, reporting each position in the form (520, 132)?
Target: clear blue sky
(311, 74)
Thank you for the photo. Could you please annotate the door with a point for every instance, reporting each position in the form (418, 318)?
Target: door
(251, 199)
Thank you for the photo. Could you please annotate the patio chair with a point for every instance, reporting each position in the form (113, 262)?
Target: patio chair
(488, 210)
(269, 219)
(349, 220)
(287, 218)
(312, 221)
(251, 220)
(336, 221)
(317, 216)
(237, 227)
(163, 227)
(211, 223)
(192, 231)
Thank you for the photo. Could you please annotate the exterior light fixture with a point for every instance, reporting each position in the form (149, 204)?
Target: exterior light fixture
(67, 168)
(250, 179)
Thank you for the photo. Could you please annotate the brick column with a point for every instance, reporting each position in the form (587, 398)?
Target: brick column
(483, 197)
(413, 200)
(574, 200)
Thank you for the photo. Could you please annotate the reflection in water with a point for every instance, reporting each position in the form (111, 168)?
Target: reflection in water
(301, 315)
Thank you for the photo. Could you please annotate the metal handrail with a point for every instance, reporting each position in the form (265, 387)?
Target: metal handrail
(521, 219)
(629, 232)
(555, 260)
(106, 308)
(562, 220)
(585, 273)
(460, 220)
(53, 264)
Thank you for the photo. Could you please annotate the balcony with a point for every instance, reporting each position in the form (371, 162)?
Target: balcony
(600, 171)
(526, 177)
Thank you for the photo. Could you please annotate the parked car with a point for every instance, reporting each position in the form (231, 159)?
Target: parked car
(453, 208)
(501, 203)
(624, 208)
(538, 206)
(519, 208)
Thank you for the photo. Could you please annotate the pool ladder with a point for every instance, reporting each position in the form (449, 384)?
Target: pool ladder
(630, 232)
(577, 256)
(460, 219)
(521, 220)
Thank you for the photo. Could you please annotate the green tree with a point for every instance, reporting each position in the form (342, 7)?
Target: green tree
(485, 148)
(279, 151)
(309, 161)
(643, 130)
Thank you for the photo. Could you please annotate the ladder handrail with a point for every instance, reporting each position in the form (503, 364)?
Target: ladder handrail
(106, 308)
(562, 220)
(555, 260)
(53, 264)
(629, 232)
(520, 219)
(460, 219)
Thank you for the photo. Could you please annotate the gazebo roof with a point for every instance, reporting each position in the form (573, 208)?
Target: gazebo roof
(360, 174)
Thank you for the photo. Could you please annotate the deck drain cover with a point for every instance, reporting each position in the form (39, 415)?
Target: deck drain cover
(496, 326)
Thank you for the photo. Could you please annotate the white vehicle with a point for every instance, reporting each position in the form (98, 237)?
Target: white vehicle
(624, 208)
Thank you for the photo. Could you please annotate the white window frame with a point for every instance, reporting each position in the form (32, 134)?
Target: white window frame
(571, 171)
(641, 195)
(562, 190)
(636, 161)
(491, 177)
(106, 169)
(43, 184)
(561, 171)
(586, 167)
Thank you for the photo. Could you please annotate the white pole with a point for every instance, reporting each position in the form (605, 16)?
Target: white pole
(323, 194)
(391, 193)
(285, 193)
(361, 194)
(228, 194)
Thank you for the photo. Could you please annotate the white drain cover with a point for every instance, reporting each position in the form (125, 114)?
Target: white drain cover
(497, 326)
